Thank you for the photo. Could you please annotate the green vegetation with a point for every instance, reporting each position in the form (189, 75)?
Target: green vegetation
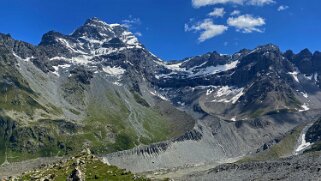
(19, 143)
(16, 95)
(114, 121)
(257, 113)
(74, 112)
(117, 117)
(280, 111)
(282, 149)
(139, 99)
(157, 127)
(106, 129)
(89, 167)
(292, 101)
(20, 101)
(110, 119)
(123, 142)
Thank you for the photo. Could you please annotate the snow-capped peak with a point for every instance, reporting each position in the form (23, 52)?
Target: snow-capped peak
(95, 20)
(94, 38)
(88, 45)
(96, 31)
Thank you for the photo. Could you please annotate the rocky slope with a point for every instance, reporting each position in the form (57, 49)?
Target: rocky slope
(303, 167)
(89, 88)
(99, 87)
(242, 102)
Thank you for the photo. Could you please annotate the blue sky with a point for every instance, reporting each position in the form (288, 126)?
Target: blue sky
(175, 29)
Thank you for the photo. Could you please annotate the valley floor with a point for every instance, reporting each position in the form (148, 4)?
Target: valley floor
(301, 167)
(181, 172)
(17, 168)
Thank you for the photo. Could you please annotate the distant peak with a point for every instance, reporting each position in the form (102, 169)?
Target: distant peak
(317, 53)
(266, 48)
(95, 21)
(306, 52)
(269, 46)
(50, 37)
(289, 54)
(95, 31)
(215, 53)
(5, 35)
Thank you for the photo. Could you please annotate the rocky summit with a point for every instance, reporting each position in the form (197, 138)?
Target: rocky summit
(100, 88)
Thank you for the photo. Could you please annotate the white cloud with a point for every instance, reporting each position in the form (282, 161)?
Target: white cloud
(217, 12)
(260, 2)
(138, 34)
(200, 3)
(207, 28)
(235, 12)
(283, 7)
(131, 21)
(246, 23)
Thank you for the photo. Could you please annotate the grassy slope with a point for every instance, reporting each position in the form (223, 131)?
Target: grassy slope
(90, 166)
(282, 149)
(15, 95)
(114, 119)
(106, 128)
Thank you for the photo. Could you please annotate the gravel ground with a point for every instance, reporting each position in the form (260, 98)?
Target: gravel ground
(302, 167)
(18, 168)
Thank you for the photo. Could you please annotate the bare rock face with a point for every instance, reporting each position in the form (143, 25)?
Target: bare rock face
(76, 175)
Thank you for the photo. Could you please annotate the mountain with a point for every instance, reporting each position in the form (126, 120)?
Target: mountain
(89, 88)
(100, 88)
(244, 102)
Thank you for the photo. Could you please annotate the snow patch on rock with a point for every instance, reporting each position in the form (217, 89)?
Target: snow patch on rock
(196, 71)
(216, 69)
(305, 107)
(316, 77)
(305, 94)
(158, 95)
(58, 67)
(309, 77)
(228, 94)
(23, 59)
(304, 144)
(114, 71)
(294, 75)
